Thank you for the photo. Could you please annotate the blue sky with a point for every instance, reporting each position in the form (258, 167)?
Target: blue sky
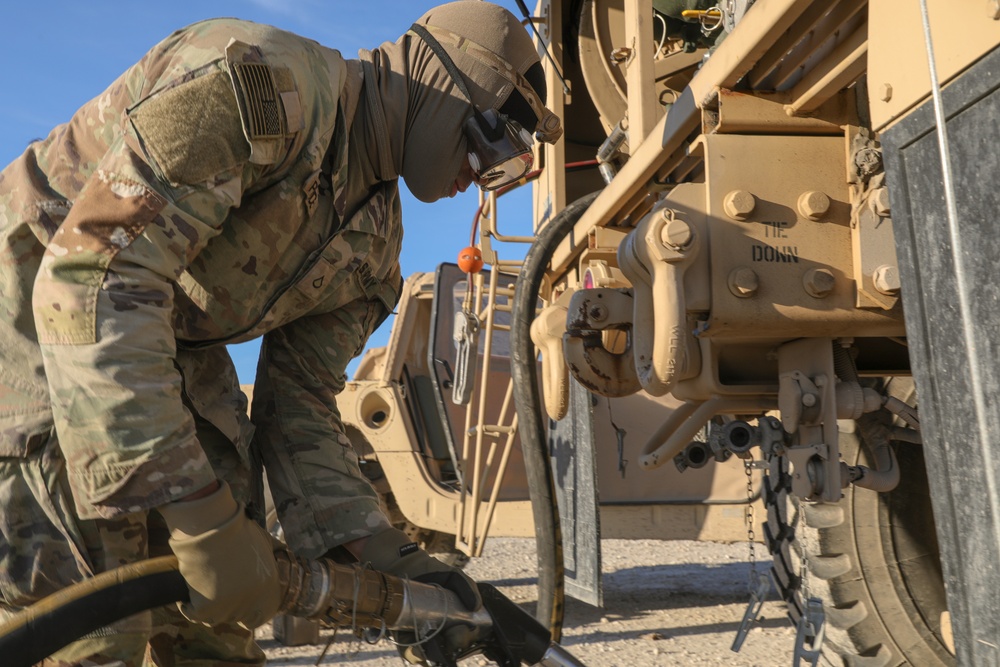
(59, 54)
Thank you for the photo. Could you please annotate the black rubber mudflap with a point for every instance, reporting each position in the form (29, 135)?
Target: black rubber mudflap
(574, 458)
(960, 413)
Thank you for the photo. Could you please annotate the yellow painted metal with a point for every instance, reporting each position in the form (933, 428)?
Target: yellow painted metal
(845, 64)
(962, 32)
(551, 196)
(478, 456)
(643, 109)
(780, 244)
(753, 37)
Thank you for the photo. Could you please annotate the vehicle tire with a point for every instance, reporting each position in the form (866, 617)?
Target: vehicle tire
(872, 558)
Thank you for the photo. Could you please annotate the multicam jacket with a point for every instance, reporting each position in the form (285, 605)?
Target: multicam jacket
(198, 201)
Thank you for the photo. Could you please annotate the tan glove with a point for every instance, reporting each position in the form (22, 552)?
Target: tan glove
(392, 551)
(226, 559)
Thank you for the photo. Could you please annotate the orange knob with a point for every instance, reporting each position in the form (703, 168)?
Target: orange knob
(470, 259)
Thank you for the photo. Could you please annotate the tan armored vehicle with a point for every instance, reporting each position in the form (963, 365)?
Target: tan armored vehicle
(746, 197)
(435, 422)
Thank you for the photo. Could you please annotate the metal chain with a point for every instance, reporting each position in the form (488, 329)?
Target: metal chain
(749, 516)
(803, 555)
(812, 624)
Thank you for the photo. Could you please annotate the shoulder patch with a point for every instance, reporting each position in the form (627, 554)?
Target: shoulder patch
(192, 131)
(258, 99)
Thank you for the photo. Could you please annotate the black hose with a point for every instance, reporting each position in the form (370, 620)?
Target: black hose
(41, 630)
(531, 426)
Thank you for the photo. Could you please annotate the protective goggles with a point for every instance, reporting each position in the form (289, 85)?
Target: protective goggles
(499, 149)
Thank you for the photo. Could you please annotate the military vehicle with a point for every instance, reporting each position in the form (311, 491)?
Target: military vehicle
(750, 247)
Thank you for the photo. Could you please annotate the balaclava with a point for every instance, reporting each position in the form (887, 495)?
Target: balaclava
(413, 114)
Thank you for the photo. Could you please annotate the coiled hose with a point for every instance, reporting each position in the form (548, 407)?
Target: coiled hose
(71, 613)
(531, 426)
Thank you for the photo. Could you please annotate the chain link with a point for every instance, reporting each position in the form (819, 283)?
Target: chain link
(750, 519)
(803, 555)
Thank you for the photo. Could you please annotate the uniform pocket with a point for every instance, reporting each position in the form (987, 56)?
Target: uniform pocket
(331, 280)
(42, 548)
(25, 415)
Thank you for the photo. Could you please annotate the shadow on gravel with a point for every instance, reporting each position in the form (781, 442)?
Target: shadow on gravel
(343, 650)
(634, 593)
(597, 636)
(649, 587)
(638, 591)
(716, 580)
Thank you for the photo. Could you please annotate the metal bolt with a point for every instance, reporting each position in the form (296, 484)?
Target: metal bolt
(818, 282)
(886, 279)
(621, 55)
(808, 400)
(676, 234)
(885, 94)
(739, 204)
(743, 283)
(879, 202)
(598, 313)
(813, 204)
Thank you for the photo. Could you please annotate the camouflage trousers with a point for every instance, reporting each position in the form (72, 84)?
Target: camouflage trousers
(44, 547)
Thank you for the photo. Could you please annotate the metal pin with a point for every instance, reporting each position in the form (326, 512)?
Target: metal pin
(622, 461)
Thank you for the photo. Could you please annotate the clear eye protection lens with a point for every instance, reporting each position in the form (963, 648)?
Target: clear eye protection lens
(500, 160)
(506, 172)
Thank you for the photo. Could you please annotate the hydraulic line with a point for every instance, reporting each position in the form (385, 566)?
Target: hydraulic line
(71, 613)
(884, 477)
(343, 595)
(531, 424)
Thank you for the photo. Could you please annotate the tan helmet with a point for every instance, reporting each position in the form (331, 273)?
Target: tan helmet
(462, 61)
(498, 59)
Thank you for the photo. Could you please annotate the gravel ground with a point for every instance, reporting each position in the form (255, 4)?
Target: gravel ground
(665, 603)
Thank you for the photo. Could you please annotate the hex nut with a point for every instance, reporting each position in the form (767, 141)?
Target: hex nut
(885, 93)
(818, 283)
(739, 204)
(886, 279)
(743, 282)
(621, 55)
(676, 234)
(813, 204)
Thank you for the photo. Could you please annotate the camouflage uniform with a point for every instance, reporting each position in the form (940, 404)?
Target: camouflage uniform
(198, 201)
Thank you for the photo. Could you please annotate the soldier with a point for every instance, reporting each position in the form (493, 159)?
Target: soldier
(239, 181)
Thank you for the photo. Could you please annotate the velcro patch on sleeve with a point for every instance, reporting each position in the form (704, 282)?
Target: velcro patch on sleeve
(258, 100)
(193, 131)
